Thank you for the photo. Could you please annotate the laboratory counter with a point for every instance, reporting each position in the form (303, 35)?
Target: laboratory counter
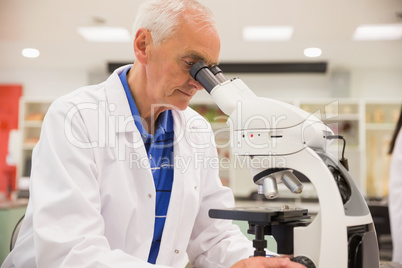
(10, 214)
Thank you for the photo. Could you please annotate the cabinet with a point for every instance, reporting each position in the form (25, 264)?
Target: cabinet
(345, 118)
(381, 119)
(10, 214)
(367, 127)
(32, 112)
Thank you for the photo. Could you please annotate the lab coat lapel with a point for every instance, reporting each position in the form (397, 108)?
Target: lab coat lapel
(130, 149)
(128, 137)
(184, 201)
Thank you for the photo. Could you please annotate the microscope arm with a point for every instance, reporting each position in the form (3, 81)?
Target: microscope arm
(263, 127)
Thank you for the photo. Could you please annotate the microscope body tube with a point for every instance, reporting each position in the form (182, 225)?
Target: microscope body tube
(225, 93)
(228, 94)
(218, 73)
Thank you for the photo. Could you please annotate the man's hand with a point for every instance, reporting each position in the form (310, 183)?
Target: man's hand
(263, 262)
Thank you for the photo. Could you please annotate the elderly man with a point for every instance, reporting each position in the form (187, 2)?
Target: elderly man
(115, 181)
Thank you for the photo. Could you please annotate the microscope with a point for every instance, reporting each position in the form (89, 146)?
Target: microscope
(284, 143)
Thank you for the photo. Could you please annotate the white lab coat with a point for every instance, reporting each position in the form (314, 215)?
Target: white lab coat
(92, 198)
(395, 199)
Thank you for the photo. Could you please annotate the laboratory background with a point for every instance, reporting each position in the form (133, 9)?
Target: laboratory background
(339, 60)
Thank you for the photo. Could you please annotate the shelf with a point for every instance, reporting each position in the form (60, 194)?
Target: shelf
(380, 123)
(32, 112)
(32, 123)
(380, 126)
(341, 117)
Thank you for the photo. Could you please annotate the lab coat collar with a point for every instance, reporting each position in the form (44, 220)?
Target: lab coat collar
(117, 102)
(120, 109)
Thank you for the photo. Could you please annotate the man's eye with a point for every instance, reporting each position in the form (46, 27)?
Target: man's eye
(189, 63)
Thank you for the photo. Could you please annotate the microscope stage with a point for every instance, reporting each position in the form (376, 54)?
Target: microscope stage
(261, 215)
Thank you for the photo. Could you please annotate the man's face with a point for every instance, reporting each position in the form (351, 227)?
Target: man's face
(168, 79)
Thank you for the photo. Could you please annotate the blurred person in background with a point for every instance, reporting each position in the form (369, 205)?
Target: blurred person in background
(395, 191)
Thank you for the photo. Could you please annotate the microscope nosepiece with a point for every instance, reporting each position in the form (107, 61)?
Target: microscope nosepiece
(270, 188)
(292, 182)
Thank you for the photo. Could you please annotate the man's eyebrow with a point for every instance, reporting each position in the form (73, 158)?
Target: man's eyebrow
(199, 57)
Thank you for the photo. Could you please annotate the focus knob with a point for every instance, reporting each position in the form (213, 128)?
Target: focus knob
(304, 260)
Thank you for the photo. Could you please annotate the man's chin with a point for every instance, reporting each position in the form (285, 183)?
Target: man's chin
(183, 104)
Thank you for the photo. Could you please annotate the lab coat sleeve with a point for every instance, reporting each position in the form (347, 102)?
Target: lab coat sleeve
(215, 242)
(67, 212)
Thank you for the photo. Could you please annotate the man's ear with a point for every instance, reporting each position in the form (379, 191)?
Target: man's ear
(141, 42)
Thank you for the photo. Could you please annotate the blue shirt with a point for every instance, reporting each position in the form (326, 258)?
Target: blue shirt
(160, 154)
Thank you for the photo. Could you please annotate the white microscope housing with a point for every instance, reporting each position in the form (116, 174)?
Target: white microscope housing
(284, 138)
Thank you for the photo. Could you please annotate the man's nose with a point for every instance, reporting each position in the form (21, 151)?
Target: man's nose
(195, 84)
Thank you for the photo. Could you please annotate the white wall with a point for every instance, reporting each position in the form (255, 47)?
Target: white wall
(45, 83)
(362, 83)
(377, 83)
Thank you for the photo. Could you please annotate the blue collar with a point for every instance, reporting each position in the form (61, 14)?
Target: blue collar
(165, 119)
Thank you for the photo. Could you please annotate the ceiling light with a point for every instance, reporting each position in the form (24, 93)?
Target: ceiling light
(30, 53)
(312, 52)
(378, 32)
(104, 34)
(267, 33)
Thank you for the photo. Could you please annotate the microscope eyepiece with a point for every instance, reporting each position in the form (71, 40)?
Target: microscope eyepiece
(196, 68)
(218, 73)
(202, 74)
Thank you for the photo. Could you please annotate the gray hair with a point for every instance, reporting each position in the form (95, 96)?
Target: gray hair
(162, 17)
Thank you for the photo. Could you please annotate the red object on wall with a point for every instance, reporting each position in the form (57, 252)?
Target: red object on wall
(9, 101)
